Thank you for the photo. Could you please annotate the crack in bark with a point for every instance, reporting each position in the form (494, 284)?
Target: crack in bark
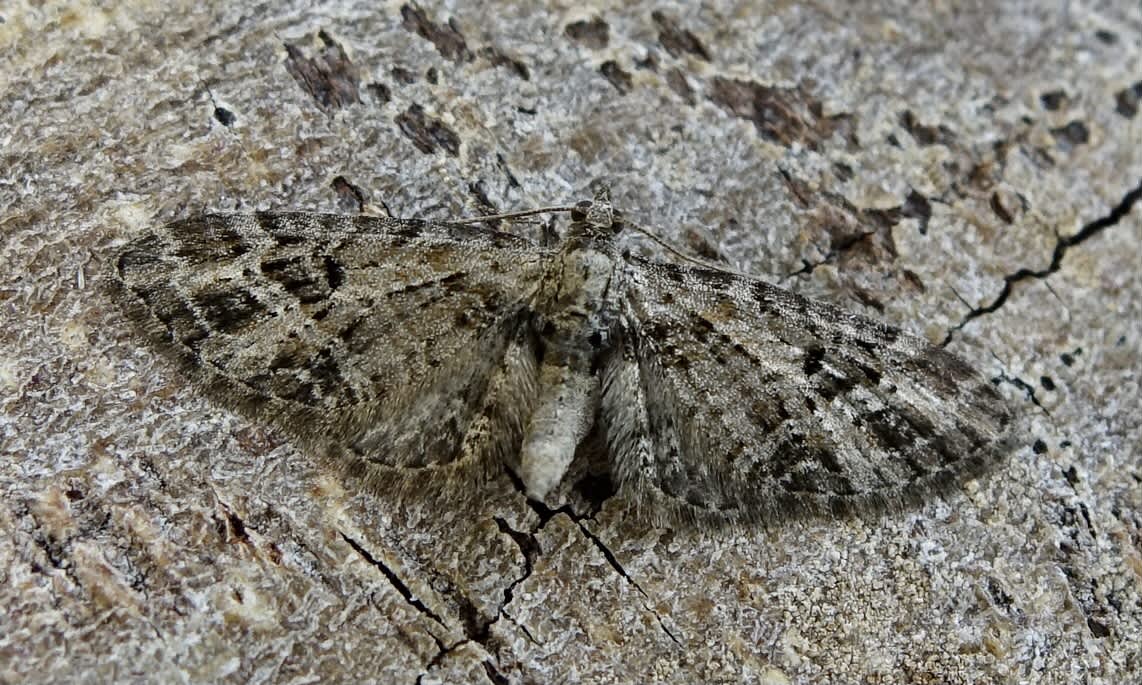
(474, 631)
(1116, 214)
(618, 567)
(394, 580)
(479, 631)
(530, 550)
(546, 513)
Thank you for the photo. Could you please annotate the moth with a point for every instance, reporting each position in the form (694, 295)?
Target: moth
(411, 353)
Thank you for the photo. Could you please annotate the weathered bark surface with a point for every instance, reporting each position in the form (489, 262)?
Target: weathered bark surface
(966, 173)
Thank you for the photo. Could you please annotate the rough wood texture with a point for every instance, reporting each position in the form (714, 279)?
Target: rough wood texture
(968, 174)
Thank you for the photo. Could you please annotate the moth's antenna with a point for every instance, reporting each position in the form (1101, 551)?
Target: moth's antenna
(681, 255)
(646, 232)
(512, 215)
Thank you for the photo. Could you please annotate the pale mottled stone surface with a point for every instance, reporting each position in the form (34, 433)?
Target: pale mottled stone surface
(909, 161)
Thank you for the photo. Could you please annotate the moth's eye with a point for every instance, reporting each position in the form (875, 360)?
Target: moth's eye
(579, 213)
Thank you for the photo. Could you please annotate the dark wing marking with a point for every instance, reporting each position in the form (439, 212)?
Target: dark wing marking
(734, 400)
(380, 343)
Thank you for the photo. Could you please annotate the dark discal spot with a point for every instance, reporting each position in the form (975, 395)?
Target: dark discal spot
(409, 228)
(451, 283)
(828, 459)
(677, 40)
(181, 322)
(700, 328)
(300, 277)
(1039, 447)
(141, 255)
(888, 429)
(829, 385)
(447, 39)
(870, 373)
(208, 239)
(675, 274)
(841, 339)
(427, 133)
(788, 455)
(280, 229)
(594, 34)
(228, 310)
(329, 78)
(767, 414)
(939, 370)
(1106, 37)
(618, 77)
(812, 362)
(671, 357)
(403, 75)
(194, 338)
(900, 430)
(325, 371)
(457, 282)
(350, 335)
(1047, 383)
(1097, 628)
(760, 292)
(810, 405)
(796, 463)
(288, 358)
(322, 379)
(595, 340)
(334, 272)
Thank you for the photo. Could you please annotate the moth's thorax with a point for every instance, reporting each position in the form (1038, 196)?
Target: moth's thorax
(577, 302)
(575, 311)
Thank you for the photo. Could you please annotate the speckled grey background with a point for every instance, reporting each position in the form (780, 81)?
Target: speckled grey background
(968, 172)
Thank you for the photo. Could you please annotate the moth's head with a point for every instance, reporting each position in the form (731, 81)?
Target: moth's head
(597, 217)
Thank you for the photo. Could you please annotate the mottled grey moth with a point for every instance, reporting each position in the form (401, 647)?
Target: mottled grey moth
(412, 353)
